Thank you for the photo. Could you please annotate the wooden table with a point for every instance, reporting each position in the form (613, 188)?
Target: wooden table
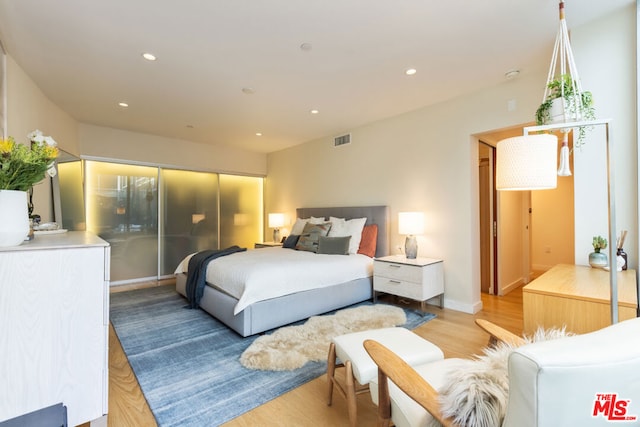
(578, 297)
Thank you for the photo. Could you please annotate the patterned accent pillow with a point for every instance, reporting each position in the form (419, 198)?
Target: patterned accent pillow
(308, 240)
(369, 240)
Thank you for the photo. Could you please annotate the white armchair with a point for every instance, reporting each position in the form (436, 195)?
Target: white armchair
(583, 380)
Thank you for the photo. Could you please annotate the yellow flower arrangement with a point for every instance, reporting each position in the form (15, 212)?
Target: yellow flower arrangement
(22, 166)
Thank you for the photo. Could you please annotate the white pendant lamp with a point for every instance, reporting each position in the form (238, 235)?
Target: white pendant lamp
(527, 162)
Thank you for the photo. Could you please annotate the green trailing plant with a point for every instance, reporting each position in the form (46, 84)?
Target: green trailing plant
(598, 243)
(563, 87)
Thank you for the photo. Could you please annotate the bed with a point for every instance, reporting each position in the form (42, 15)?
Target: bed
(266, 314)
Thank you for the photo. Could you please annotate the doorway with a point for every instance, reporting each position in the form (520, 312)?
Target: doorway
(522, 233)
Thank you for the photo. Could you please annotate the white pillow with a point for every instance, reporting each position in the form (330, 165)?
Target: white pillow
(353, 227)
(298, 226)
(314, 220)
(301, 222)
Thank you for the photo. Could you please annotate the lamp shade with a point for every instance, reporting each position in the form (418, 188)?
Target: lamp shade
(276, 220)
(527, 162)
(411, 223)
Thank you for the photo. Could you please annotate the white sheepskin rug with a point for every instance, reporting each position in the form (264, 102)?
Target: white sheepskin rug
(476, 395)
(291, 347)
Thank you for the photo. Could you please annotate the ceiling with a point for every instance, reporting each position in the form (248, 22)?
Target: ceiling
(344, 58)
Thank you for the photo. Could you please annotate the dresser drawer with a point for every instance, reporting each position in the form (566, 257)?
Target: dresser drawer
(401, 272)
(398, 287)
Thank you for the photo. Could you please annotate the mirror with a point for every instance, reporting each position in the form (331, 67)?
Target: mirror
(67, 189)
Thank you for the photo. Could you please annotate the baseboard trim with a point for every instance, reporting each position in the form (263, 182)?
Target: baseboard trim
(463, 307)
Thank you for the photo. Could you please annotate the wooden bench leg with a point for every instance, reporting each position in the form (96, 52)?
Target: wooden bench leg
(331, 371)
(351, 394)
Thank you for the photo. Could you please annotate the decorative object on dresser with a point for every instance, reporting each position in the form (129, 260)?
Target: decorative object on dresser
(21, 167)
(419, 279)
(54, 312)
(411, 224)
(598, 259)
(276, 220)
(620, 251)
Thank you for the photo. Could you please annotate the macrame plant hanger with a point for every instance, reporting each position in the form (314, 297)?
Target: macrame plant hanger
(562, 61)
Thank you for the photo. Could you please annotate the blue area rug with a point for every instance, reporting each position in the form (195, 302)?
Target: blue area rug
(187, 362)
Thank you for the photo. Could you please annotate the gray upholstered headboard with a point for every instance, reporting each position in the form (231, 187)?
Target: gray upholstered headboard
(374, 214)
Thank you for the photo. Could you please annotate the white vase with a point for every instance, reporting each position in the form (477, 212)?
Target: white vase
(14, 217)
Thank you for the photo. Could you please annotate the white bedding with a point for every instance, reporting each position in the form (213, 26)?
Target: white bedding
(261, 274)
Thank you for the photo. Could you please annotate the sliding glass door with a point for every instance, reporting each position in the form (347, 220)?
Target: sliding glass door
(240, 210)
(154, 217)
(122, 208)
(189, 215)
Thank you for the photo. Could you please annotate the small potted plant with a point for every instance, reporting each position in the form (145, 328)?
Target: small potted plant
(564, 105)
(598, 259)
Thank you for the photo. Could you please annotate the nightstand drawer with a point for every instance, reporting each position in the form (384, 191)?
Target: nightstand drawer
(401, 272)
(398, 287)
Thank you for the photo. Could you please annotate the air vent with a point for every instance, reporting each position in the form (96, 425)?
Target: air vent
(342, 140)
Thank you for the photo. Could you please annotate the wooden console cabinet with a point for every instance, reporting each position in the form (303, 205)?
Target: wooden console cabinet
(578, 297)
(54, 326)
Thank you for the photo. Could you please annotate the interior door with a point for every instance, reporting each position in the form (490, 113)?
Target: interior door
(488, 242)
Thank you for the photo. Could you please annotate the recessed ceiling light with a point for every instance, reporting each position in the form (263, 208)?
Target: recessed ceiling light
(149, 56)
(248, 90)
(314, 111)
(123, 104)
(410, 71)
(258, 134)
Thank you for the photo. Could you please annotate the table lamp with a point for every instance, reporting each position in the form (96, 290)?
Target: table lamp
(411, 224)
(276, 220)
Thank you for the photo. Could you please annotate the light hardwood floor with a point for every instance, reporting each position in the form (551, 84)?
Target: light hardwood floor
(454, 332)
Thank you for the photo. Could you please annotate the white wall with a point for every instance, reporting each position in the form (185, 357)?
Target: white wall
(427, 159)
(423, 160)
(553, 225)
(117, 144)
(29, 109)
(606, 56)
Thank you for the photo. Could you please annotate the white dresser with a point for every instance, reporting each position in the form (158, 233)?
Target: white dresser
(54, 326)
(418, 279)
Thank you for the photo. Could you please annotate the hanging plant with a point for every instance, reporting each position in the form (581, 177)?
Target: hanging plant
(573, 106)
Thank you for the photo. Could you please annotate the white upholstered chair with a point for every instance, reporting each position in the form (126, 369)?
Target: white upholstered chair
(584, 380)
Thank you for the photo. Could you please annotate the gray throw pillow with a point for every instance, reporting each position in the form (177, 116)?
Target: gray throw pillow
(308, 240)
(334, 245)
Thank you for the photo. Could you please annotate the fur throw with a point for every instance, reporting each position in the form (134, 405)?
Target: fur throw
(291, 347)
(476, 395)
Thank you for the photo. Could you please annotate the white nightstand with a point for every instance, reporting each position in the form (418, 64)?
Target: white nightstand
(267, 245)
(419, 279)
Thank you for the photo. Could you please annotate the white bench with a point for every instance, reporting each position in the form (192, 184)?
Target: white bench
(360, 367)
